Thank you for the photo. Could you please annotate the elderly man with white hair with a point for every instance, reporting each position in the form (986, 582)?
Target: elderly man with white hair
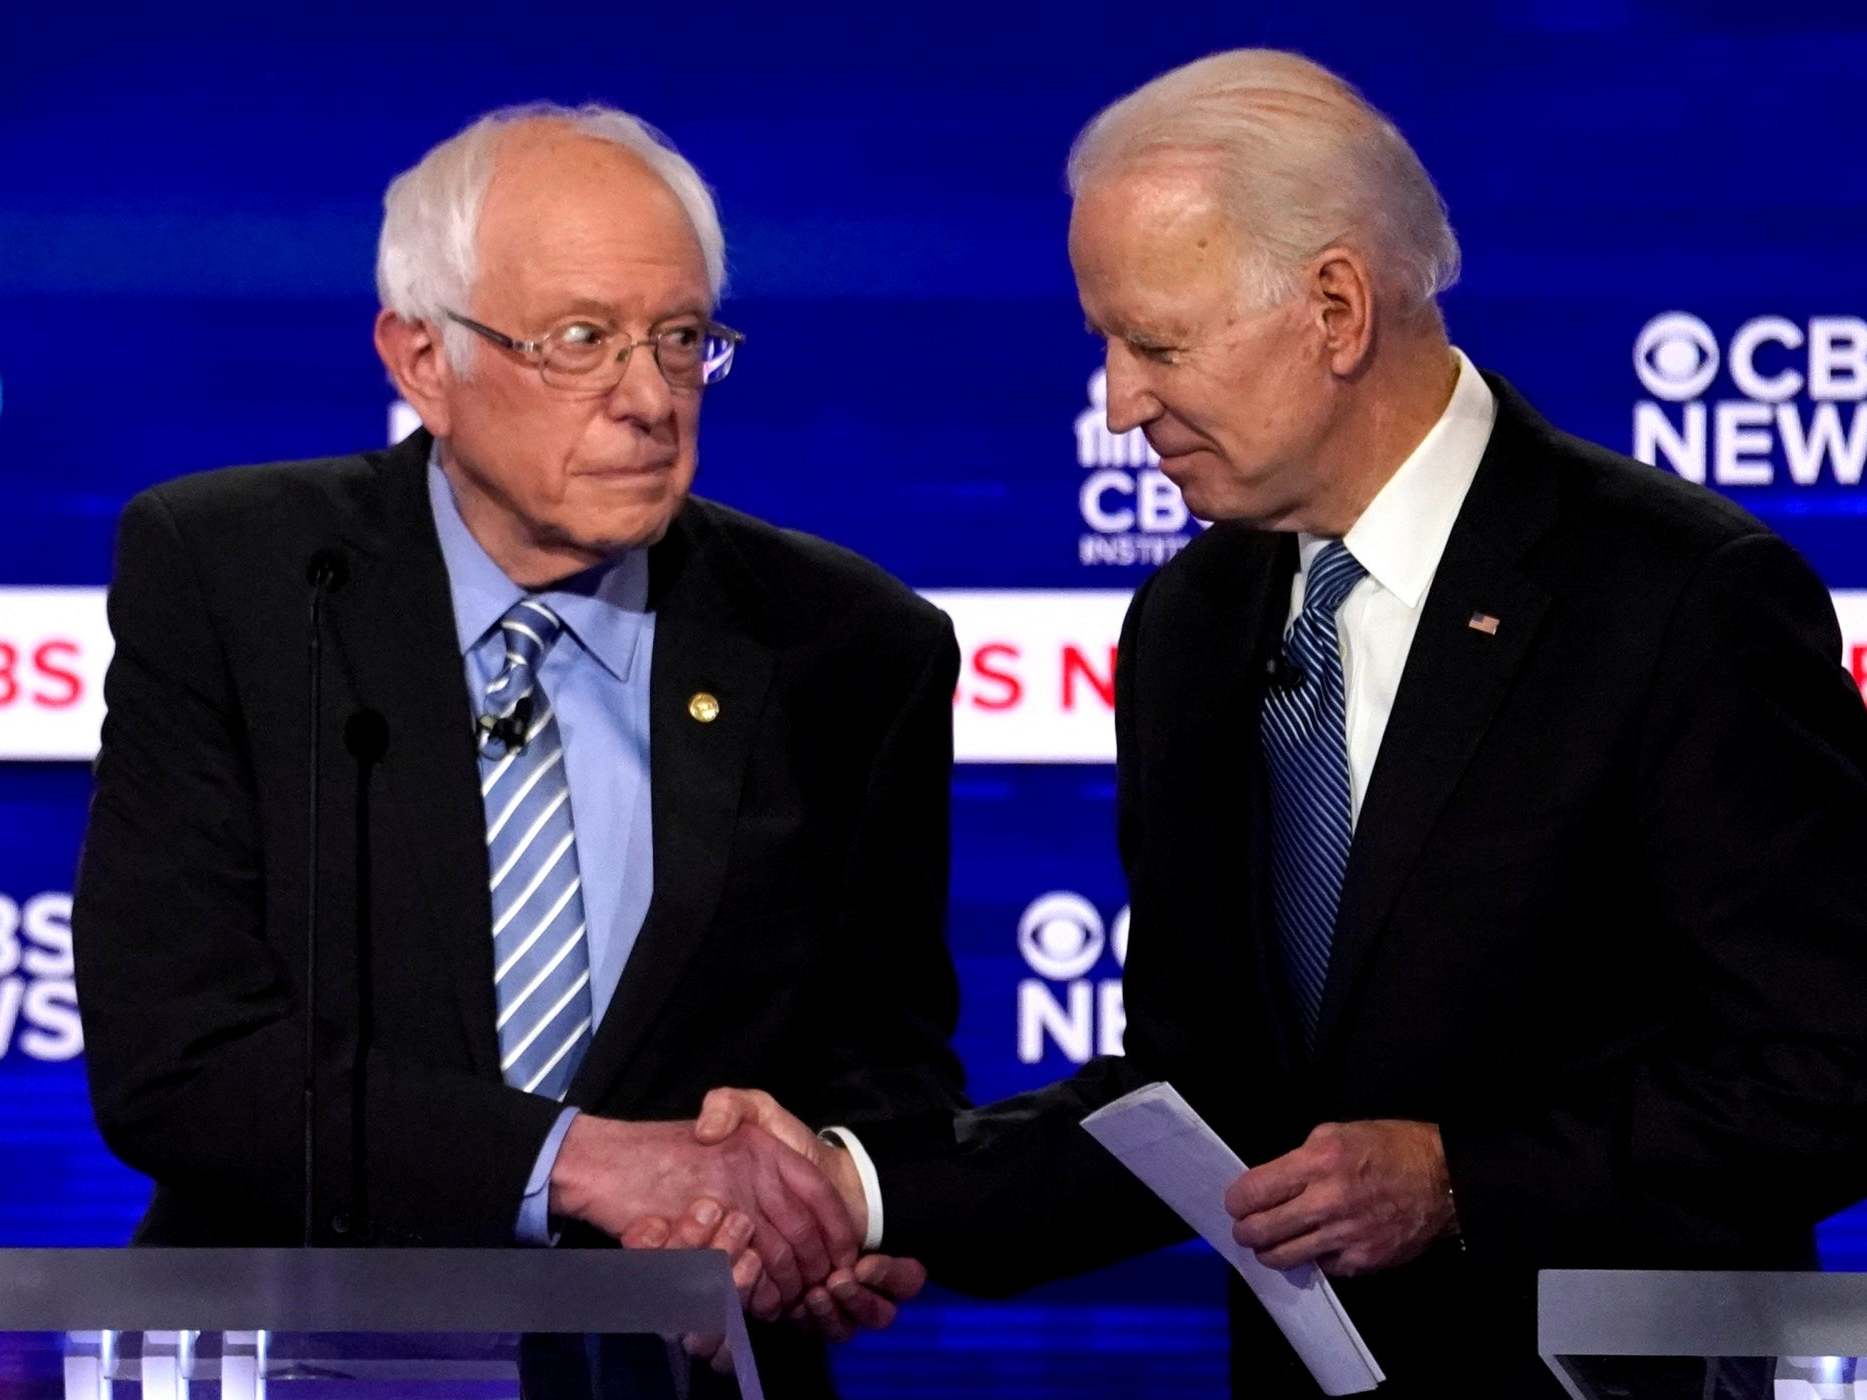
(1491, 804)
(620, 794)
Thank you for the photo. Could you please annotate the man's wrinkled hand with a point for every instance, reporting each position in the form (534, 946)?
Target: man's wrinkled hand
(612, 1174)
(707, 1225)
(724, 1111)
(1354, 1197)
(865, 1297)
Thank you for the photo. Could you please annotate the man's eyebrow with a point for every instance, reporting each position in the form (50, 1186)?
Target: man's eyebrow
(609, 311)
(1148, 340)
(1130, 335)
(588, 306)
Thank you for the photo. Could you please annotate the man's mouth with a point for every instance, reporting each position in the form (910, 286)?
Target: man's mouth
(616, 471)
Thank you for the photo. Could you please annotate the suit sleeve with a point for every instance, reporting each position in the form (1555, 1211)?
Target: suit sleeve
(193, 1017)
(891, 1054)
(1742, 1110)
(1015, 1193)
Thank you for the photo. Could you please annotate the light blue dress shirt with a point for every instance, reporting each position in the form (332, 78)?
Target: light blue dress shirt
(597, 679)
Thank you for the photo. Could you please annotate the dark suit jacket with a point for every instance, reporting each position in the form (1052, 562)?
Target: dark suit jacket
(796, 936)
(1604, 921)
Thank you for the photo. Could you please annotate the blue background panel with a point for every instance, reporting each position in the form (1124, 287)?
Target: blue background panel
(188, 208)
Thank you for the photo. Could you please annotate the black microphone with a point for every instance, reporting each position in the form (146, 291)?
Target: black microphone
(510, 730)
(366, 736)
(1281, 673)
(326, 571)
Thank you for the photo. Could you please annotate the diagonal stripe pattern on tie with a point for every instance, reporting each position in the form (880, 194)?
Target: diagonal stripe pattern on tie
(541, 954)
(1303, 729)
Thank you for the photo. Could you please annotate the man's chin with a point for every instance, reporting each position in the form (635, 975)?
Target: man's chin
(1189, 472)
(613, 538)
(1225, 503)
(617, 516)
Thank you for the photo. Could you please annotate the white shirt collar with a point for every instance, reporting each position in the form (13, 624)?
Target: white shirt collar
(1403, 532)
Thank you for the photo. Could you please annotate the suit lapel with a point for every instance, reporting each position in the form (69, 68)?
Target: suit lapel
(697, 771)
(1221, 740)
(1455, 677)
(393, 624)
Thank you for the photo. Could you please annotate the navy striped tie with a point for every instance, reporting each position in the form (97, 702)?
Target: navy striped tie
(541, 956)
(1304, 731)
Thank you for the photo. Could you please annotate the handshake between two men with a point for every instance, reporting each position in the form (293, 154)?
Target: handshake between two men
(789, 1209)
(751, 1180)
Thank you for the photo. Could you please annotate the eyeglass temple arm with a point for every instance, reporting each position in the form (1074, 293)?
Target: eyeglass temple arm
(523, 347)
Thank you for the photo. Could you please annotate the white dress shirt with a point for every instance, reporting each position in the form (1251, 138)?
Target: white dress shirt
(1399, 539)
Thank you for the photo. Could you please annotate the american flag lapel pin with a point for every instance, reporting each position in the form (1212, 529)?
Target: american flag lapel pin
(1483, 622)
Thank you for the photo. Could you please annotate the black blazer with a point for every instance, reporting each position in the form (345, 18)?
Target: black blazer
(796, 936)
(1604, 921)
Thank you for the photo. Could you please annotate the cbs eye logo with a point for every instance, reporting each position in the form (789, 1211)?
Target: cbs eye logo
(1676, 357)
(1062, 935)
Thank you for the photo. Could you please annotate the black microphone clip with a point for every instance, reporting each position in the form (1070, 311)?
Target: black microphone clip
(1281, 673)
(327, 570)
(509, 731)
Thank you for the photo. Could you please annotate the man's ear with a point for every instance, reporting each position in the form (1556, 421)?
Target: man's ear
(412, 353)
(1342, 295)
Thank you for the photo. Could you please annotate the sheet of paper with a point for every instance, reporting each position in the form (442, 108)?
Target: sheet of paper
(1157, 1136)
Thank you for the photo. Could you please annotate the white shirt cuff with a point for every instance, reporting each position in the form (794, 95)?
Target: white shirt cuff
(871, 1183)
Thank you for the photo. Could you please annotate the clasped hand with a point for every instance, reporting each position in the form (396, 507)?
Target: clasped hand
(750, 1179)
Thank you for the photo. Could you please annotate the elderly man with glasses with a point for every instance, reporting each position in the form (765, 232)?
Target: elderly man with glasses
(623, 795)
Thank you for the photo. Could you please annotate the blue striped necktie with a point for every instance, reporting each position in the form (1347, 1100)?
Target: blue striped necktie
(1303, 728)
(541, 957)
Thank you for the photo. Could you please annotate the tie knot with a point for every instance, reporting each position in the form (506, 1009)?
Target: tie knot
(529, 629)
(506, 722)
(1331, 576)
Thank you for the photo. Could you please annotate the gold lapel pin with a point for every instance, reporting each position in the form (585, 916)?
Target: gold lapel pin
(704, 707)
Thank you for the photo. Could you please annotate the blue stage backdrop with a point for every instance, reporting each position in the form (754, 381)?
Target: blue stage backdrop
(1660, 204)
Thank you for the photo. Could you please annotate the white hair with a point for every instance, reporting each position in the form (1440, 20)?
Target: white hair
(1298, 159)
(431, 212)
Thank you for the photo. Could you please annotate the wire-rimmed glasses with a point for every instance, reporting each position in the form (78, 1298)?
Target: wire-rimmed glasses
(585, 357)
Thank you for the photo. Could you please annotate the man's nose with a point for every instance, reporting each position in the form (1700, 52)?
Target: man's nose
(643, 393)
(1131, 403)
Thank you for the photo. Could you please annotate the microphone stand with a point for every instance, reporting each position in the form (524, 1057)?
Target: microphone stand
(325, 572)
(366, 738)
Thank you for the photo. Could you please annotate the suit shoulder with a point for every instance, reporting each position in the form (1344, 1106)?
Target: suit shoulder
(1645, 543)
(808, 585)
(1619, 511)
(270, 497)
(1653, 507)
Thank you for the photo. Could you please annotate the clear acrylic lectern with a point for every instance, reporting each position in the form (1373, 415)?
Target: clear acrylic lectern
(241, 1324)
(1653, 1335)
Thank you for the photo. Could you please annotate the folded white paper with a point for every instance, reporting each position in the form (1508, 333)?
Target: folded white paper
(1157, 1136)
